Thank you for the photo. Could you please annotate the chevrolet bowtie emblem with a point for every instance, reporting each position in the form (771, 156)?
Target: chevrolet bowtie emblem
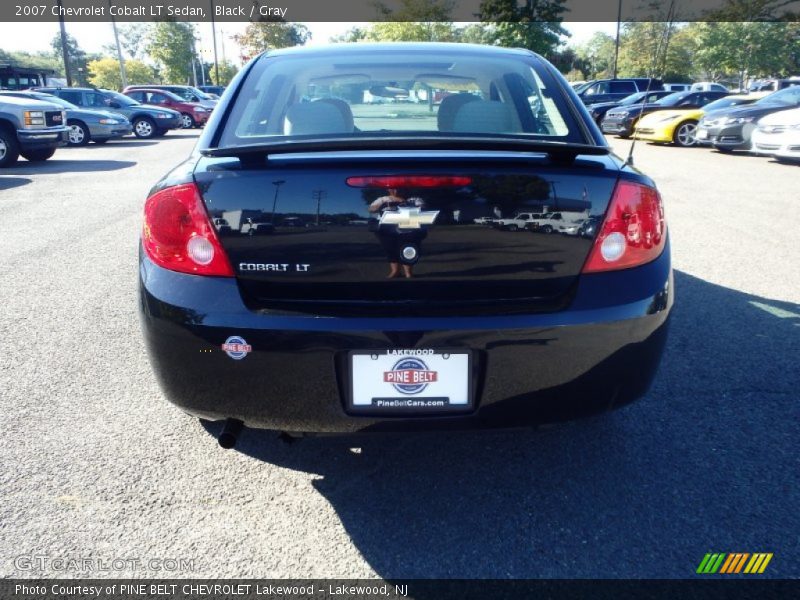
(408, 218)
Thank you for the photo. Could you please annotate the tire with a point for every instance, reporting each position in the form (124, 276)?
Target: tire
(144, 128)
(513, 228)
(39, 155)
(187, 121)
(9, 148)
(684, 134)
(547, 229)
(78, 134)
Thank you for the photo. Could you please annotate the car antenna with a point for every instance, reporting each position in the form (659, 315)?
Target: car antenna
(662, 41)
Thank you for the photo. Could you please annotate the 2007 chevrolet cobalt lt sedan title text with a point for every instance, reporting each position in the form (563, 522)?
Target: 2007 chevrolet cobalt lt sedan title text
(325, 260)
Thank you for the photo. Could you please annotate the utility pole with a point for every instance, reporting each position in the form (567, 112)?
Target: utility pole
(222, 35)
(318, 195)
(64, 51)
(123, 75)
(277, 185)
(214, 36)
(616, 43)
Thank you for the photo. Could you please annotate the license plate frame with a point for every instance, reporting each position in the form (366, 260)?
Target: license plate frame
(378, 397)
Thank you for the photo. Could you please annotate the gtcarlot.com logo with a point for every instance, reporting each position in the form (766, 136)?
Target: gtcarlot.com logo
(39, 562)
(728, 563)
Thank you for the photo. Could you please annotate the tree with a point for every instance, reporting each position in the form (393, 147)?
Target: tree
(77, 57)
(743, 11)
(133, 38)
(397, 31)
(227, 71)
(171, 45)
(271, 34)
(354, 34)
(536, 25)
(598, 54)
(644, 48)
(104, 73)
(743, 49)
(421, 11)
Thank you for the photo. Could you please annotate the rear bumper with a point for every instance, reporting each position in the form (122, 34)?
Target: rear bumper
(600, 354)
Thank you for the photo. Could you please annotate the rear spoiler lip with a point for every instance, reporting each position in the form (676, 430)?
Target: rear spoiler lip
(556, 150)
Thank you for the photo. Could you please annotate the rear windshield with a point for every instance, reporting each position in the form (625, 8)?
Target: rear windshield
(399, 94)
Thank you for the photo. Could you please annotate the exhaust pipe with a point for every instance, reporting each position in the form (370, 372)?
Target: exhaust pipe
(230, 433)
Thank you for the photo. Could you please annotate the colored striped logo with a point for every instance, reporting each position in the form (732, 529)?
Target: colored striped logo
(734, 562)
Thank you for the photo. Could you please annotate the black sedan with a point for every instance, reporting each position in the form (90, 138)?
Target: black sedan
(392, 309)
(621, 121)
(599, 110)
(730, 129)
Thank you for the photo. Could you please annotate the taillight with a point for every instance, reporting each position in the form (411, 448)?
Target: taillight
(412, 181)
(178, 235)
(633, 232)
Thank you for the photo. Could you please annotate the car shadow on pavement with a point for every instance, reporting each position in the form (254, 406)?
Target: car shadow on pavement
(131, 143)
(706, 462)
(6, 183)
(56, 165)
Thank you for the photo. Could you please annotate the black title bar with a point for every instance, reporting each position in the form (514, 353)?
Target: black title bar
(343, 11)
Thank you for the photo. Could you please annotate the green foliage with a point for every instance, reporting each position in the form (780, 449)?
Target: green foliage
(645, 49)
(269, 35)
(754, 10)
(420, 11)
(171, 45)
(133, 39)
(392, 31)
(598, 55)
(745, 49)
(105, 73)
(227, 71)
(536, 25)
(78, 59)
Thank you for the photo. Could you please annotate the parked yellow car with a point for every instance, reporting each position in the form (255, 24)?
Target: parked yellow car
(679, 126)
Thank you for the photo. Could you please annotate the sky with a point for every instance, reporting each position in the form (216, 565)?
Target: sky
(32, 37)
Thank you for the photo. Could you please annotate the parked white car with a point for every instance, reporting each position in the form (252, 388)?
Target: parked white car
(778, 135)
(558, 222)
(517, 222)
(708, 86)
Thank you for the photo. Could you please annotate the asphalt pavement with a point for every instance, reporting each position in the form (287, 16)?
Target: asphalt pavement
(96, 464)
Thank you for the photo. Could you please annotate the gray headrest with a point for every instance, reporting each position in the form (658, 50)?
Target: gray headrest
(344, 108)
(308, 118)
(448, 108)
(484, 116)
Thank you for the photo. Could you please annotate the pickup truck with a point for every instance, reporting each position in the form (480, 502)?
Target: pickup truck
(31, 128)
(520, 221)
(555, 222)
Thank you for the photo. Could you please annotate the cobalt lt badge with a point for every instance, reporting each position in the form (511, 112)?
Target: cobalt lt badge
(410, 376)
(236, 347)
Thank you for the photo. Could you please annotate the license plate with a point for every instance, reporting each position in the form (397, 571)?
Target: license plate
(410, 381)
(702, 134)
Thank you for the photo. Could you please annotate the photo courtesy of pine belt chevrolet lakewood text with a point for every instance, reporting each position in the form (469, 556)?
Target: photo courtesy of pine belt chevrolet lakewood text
(396, 237)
